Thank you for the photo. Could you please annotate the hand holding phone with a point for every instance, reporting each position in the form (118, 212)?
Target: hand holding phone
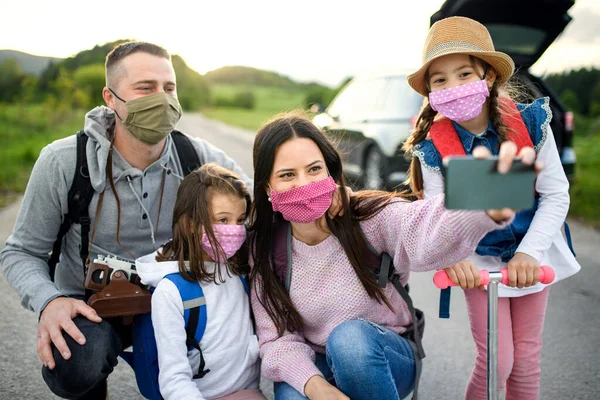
(476, 184)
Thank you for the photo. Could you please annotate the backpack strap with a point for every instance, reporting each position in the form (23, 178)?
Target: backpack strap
(245, 283)
(188, 156)
(194, 315)
(445, 302)
(79, 198)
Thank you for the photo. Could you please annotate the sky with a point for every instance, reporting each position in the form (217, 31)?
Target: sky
(323, 40)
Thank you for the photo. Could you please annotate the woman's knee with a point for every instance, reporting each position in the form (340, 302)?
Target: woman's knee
(352, 340)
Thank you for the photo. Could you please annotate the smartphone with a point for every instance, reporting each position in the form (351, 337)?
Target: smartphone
(474, 184)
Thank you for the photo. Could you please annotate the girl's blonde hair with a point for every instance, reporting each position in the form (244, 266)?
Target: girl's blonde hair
(192, 212)
(427, 115)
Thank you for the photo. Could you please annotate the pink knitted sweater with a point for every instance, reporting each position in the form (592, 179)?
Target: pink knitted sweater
(419, 236)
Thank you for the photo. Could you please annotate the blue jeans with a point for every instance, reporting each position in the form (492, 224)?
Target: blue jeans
(364, 361)
(84, 375)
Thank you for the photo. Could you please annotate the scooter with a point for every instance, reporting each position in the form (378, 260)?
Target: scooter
(491, 279)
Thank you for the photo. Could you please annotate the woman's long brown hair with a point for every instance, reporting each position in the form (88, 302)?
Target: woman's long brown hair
(427, 116)
(192, 212)
(346, 228)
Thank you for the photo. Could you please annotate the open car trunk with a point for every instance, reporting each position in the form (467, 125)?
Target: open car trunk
(523, 29)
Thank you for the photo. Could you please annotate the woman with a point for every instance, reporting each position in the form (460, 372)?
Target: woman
(337, 334)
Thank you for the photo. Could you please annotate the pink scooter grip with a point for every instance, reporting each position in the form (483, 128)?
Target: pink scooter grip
(442, 280)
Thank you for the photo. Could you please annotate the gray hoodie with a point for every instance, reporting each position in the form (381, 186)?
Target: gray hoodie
(24, 259)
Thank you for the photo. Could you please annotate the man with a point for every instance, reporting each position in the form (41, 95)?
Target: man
(135, 171)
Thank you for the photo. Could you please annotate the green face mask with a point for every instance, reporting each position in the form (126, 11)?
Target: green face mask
(151, 118)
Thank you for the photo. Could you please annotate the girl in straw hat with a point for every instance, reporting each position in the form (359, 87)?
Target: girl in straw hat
(463, 80)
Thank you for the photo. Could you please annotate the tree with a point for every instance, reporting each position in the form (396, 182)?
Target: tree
(192, 88)
(595, 100)
(569, 99)
(91, 79)
(11, 79)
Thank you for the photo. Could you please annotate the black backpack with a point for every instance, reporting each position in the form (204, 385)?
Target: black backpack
(81, 193)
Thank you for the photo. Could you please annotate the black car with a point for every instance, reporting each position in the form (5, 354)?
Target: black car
(524, 29)
(369, 120)
(373, 115)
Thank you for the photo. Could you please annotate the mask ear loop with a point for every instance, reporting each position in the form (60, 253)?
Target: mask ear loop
(117, 96)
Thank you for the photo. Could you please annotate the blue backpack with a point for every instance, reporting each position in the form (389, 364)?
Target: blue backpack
(144, 358)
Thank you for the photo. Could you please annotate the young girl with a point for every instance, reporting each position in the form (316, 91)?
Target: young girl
(336, 334)
(208, 230)
(465, 106)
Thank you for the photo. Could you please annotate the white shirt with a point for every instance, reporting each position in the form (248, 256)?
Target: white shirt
(544, 240)
(229, 345)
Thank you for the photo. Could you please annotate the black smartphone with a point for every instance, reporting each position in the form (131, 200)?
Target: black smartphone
(473, 184)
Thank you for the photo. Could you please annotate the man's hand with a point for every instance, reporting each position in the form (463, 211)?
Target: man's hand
(317, 388)
(56, 317)
(336, 204)
(523, 270)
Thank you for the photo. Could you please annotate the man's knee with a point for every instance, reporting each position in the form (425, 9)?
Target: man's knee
(89, 364)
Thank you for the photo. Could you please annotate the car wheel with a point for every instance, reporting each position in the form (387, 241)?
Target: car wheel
(373, 177)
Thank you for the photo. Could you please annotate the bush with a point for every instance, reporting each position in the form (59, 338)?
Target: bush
(245, 99)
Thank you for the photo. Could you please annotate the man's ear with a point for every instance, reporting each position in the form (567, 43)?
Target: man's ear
(109, 98)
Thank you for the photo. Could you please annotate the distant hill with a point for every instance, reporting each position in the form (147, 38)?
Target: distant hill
(241, 75)
(29, 64)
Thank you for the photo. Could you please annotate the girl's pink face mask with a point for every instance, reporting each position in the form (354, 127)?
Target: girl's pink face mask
(460, 103)
(304, 204)
(230, 238)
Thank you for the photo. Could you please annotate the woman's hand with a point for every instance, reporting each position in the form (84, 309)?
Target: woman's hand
(506, 156)
(465, 274)
(317, 388)
(523, 271)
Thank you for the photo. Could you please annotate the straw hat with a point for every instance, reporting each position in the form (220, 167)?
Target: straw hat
(460, 35)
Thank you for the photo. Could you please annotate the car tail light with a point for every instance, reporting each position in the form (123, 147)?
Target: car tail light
(413, 121)
(569, 121)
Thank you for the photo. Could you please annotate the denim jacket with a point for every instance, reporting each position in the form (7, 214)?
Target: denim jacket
(501, 243)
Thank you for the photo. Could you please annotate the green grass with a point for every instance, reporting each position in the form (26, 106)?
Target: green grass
(585, 191)
(269, 102)
(24, 131)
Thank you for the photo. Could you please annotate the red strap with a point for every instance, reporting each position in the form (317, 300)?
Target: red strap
(446, 140)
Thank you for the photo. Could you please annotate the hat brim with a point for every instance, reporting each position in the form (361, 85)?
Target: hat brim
(501, 62)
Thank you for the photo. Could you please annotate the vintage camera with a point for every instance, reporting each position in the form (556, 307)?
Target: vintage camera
(103, 269)
(119, 291)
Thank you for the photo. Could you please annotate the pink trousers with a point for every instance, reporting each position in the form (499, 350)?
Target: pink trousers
(520, 327)
(248, 394)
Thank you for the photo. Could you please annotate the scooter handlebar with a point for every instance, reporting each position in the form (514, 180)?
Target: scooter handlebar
(442, 280)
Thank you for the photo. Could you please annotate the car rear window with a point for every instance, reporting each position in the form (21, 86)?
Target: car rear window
(401, 102)
(515, 39)
(372, 99)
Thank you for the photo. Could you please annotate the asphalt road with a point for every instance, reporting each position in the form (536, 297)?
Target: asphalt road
(570, 359)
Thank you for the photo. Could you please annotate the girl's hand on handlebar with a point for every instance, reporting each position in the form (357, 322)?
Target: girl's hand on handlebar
(464, 274)
(523, 271)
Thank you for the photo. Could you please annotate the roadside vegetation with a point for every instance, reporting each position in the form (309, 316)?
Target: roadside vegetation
(43, 99)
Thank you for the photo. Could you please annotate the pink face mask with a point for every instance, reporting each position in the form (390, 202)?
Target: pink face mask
(229, 237)
(460, 103)
(305, 203)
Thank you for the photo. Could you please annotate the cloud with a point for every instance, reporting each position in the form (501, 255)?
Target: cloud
(584, 26)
